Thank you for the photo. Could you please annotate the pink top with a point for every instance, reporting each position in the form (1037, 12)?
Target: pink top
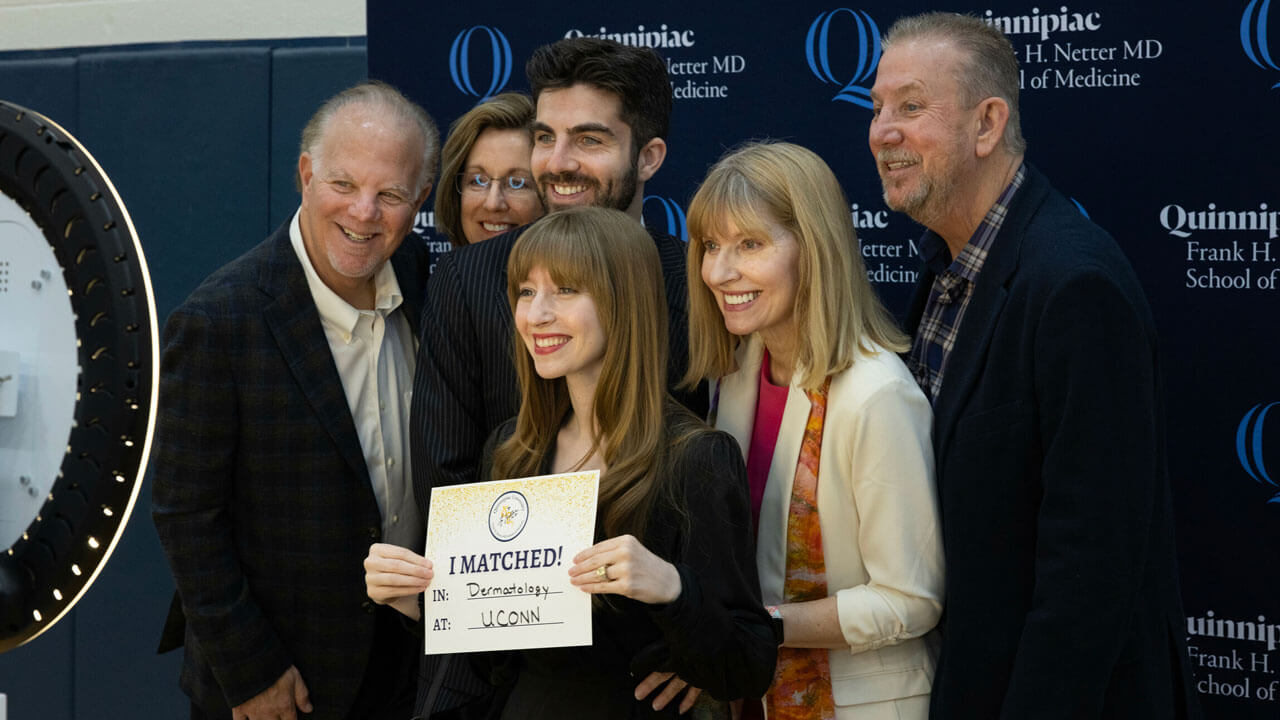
(770, 403)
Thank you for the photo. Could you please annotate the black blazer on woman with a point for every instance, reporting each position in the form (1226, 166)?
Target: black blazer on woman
(716, 635)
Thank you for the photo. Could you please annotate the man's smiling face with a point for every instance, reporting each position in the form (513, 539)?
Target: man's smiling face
(359, 195)
(582, 150)
(919, 126)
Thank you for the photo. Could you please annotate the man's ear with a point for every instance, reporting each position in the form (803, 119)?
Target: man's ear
(650, 158)
(993, 116)
(422, 197)
(305, 170)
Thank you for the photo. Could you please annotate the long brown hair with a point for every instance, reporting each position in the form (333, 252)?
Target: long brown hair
(838, 315)
(607, 255)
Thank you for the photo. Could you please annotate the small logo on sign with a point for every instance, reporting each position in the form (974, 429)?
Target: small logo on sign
(508, 515)
(672, 217)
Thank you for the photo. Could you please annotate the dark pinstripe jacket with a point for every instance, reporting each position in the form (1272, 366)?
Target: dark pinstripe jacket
(261, 495)
(465, 384)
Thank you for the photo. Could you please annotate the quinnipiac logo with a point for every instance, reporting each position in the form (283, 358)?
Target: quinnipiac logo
(819, 47)
(1253, 35)
(498, 60)
(508, 515)
(672, 217)
(1250, 445)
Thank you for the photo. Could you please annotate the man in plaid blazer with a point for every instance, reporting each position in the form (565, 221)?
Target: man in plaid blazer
(282, 451)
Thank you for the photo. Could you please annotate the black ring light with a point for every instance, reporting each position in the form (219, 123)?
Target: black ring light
(79, 363)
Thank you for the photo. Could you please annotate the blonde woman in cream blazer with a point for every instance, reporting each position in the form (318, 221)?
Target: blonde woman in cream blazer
(878, 512)
(848, 544)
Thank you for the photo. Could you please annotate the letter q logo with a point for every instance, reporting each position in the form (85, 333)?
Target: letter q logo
(462, 69)
(1250, 444)
(1253, 35)
(818, 47)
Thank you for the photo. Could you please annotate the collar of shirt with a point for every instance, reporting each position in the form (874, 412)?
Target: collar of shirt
(966, 266)
(334, 311)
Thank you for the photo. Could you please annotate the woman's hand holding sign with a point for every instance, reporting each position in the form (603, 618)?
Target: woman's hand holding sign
(394, 576)
(624, 566)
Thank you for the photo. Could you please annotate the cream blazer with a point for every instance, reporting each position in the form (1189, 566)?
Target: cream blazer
(878, 512)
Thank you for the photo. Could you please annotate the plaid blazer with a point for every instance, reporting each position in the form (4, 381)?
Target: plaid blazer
(261, 495)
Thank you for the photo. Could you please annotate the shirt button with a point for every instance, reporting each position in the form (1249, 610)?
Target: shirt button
(395, 519)
(391, 462)
(373, 532)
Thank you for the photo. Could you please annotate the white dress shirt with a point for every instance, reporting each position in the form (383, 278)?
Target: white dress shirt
(374, 351)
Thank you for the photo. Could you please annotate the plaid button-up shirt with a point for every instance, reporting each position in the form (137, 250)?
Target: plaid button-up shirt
(952, 287)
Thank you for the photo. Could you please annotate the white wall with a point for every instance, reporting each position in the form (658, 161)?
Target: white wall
(43, 24)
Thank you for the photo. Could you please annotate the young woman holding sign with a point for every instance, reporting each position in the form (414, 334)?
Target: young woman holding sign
(675, 565)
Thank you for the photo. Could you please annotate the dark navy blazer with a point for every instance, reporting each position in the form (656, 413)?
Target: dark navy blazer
(1062, 594)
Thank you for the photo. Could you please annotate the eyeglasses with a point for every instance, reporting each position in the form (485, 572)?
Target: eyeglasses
(479, 184)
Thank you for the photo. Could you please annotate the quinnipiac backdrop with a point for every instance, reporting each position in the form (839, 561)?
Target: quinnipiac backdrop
(1158, 119)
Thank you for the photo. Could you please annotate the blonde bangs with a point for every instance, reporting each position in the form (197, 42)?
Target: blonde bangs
(731, 196)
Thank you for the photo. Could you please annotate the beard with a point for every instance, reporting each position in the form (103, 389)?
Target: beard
(616, 194)
(928, 198)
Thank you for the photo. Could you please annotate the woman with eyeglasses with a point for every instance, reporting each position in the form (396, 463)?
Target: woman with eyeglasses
(486, 184)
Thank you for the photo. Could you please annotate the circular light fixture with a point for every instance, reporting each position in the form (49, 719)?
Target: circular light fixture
(79, 368)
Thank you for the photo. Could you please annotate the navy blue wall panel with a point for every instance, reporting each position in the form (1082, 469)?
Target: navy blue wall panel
(201, 142)
(46, 85)
(38, 677)
(301, 79)
(184, 135)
